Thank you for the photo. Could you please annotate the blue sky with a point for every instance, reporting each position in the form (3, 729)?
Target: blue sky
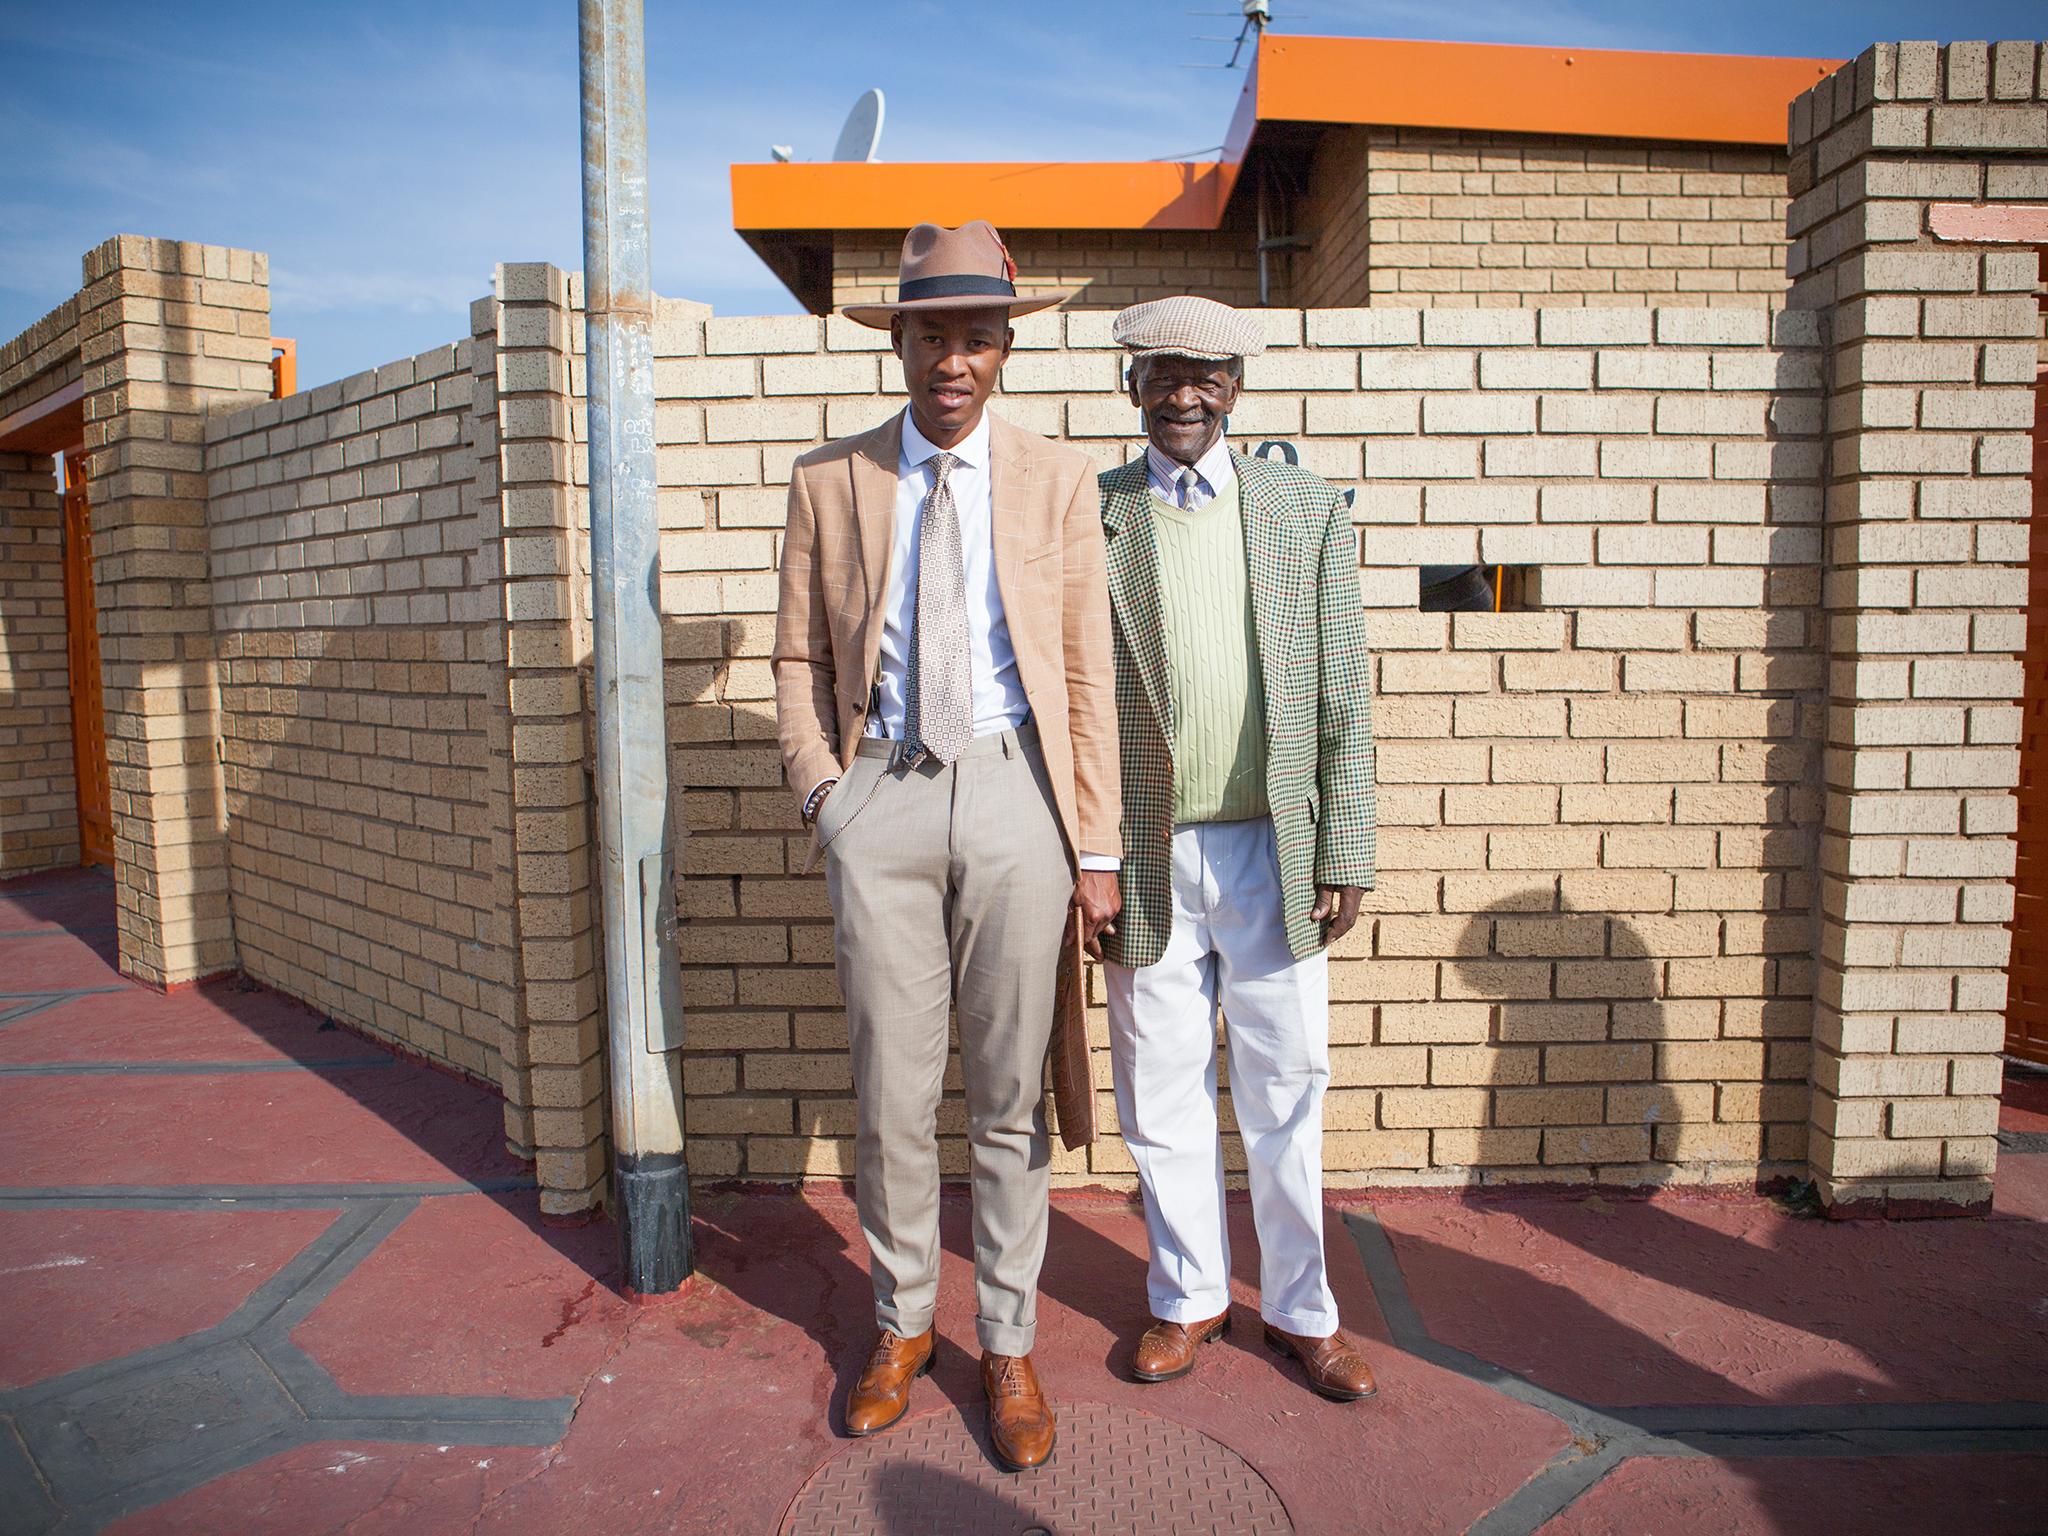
(386, 155)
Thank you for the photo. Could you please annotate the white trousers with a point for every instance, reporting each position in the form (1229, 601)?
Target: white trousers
(1228, 948)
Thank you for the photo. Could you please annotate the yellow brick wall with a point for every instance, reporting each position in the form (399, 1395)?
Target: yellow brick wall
(1932, 405)
(42, 359)
(38, 793)
(1334, 212)
(1456, 219)
(171, 335)
(1589, 953)
(355, 612)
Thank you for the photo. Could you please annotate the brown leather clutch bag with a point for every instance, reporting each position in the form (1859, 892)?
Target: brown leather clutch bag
(1073, 1084)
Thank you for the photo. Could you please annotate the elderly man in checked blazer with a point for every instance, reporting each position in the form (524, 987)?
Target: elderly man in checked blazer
(1244, 710)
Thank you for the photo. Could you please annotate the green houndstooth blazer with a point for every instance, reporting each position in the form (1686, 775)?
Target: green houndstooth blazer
(1303, 558)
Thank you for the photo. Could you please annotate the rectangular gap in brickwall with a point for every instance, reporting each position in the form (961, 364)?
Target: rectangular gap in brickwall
(1477, 589)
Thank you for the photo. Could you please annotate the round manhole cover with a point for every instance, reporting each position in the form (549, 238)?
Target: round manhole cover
(1113, 1470)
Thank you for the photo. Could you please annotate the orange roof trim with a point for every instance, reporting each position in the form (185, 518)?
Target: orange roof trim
(1592, 92)
(1145, 194)
(1484, 87)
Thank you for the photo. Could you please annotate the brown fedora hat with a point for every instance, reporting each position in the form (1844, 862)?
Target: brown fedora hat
(964, 268)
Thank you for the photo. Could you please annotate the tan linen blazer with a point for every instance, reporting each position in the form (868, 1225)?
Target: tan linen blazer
(1049, 568)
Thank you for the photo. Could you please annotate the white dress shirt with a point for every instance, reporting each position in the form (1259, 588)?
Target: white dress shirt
(1213, 475)
(999, 702)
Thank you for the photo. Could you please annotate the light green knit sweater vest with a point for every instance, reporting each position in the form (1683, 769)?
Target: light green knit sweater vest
(1212, 661)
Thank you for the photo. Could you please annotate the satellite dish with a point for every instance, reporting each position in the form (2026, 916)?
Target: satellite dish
(782, 152)
(863, 130)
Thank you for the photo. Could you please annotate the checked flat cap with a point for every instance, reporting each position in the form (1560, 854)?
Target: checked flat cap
(1187, 326)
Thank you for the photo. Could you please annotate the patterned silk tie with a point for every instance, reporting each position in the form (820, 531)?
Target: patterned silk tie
(938, 712)
(1184, 483)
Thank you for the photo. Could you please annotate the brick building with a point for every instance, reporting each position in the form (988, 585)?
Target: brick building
(1358, 172)
(1702, 868)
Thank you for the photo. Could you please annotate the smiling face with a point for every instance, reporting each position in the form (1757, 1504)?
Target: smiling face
(951, 361)
(1185, 400)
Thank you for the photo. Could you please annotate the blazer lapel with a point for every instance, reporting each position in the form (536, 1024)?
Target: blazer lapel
(1133, 558)
(1274, 563)
(874, 510)
(1010, 472)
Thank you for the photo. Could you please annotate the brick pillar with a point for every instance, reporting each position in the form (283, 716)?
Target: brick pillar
(1931, 373)
(557, 1036)
(38, 792)
(168, 332)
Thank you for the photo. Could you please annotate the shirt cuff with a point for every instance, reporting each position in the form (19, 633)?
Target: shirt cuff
(1105, 862)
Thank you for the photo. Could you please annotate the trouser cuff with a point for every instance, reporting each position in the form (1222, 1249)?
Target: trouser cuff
(1310, 1325)
(903, 1324)
(1189, 1309)
(1005, 1338)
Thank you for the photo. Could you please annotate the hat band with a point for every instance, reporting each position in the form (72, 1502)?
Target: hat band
(956, 285)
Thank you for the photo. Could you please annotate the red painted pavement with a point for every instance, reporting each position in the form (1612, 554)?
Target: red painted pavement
(707, 1411)
(473, 1295)
(362, 1488)
(1706, 1300)
(2024, 1104)
(57, 897)
(218, 1021)
(48, 961)
(1775, 1496)
(86, 1286)
(2022, 1190)
(356, 1124)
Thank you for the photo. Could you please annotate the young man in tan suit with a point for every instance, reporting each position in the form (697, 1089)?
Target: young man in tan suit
(945, 700)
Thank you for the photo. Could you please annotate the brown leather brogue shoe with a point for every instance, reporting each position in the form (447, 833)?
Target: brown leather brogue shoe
(883, 1391)
(1020, 1423)
(1334, 1368)
(1168, 1349)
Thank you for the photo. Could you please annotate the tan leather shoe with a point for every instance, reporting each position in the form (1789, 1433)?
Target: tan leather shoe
(1168, 1349)
(1334, 1368)
(1020, 1423)
(883, 1391)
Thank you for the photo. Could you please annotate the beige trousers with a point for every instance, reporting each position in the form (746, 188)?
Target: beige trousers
(950, 887)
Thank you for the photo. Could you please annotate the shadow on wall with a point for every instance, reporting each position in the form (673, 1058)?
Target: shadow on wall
(359, 846)
(1606, 1053)
(766, 1069)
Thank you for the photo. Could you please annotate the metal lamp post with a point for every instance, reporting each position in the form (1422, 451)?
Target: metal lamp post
(643, 1006)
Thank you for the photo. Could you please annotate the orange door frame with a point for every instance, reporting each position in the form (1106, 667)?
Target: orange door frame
(82, 643)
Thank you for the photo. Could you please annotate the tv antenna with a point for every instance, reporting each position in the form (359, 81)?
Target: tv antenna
(1257, 16)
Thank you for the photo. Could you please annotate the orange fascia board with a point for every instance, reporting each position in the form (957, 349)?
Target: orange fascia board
(1143, 194)
(1487, 87)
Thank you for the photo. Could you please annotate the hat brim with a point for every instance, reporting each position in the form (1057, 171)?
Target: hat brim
(1197, 353)
(878, 316)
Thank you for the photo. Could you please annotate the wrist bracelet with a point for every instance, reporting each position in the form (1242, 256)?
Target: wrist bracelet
(816, 799)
